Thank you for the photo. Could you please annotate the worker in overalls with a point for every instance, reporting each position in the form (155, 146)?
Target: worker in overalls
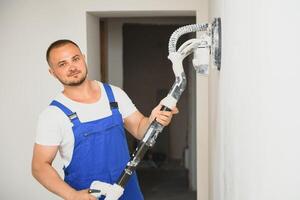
(85, 124)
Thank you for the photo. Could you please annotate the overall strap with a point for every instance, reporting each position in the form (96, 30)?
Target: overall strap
(71, 115)
(113, 104)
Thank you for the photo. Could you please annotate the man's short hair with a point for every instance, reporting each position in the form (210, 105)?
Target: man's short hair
(57, 44)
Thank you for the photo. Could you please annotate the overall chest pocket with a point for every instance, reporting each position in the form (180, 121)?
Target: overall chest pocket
(100, 140)
(101, 146)
(98, 130)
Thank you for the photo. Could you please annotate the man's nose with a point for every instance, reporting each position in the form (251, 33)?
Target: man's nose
(72, 66)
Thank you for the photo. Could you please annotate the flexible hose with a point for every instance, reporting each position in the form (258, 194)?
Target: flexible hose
(183, 30)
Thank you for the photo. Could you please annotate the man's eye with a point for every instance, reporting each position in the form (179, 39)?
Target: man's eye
(76, 59)
(62, 64)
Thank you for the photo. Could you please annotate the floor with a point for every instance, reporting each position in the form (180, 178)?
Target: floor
(167, 182)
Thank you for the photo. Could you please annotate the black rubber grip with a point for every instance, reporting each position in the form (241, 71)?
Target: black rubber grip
(165, 108)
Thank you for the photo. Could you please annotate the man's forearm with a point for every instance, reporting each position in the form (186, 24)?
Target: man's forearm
(51, 180)
(144, 124)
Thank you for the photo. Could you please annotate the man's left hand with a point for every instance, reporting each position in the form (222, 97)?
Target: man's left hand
(162, 117)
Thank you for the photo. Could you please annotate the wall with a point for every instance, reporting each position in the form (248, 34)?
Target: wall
(202, 126)
(27, 28)
(216, 140)
(256, 146)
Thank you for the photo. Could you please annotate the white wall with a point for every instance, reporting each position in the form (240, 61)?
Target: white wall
(202, 114)
(93, 46)
(256, 145)
(27, 28)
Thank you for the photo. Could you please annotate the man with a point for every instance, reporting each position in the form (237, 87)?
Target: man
(85, 124)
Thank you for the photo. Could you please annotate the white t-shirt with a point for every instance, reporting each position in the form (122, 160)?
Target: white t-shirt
(55, 129)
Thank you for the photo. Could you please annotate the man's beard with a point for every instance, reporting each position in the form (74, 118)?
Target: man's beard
(76, 82)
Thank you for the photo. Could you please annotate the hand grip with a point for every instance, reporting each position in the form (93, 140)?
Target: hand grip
(165, 108)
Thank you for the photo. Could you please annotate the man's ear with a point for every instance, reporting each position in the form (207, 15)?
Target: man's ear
(51, 72)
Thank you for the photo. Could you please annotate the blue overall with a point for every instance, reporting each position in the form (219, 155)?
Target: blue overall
(100, 151)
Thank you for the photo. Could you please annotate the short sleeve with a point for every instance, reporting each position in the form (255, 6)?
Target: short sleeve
(48, 130)
(126, 106)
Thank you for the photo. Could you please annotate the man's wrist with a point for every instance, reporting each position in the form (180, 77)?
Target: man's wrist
(70, 194)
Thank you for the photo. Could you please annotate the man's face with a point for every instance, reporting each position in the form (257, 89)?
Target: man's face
(68, 65)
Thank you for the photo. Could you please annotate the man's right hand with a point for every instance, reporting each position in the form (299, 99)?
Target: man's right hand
(81, 195)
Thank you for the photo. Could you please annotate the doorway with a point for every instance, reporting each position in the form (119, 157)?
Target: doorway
(147, 78)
